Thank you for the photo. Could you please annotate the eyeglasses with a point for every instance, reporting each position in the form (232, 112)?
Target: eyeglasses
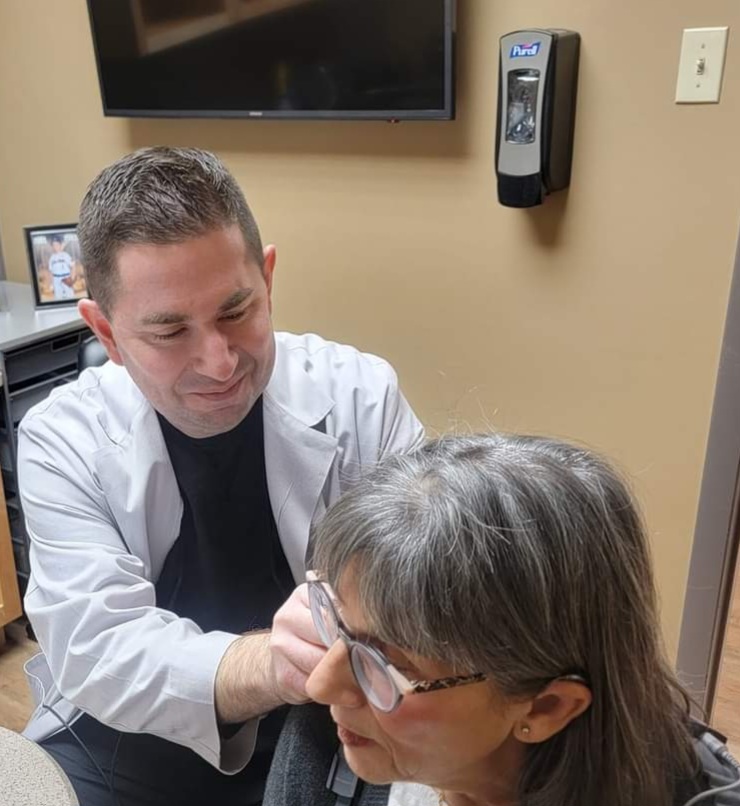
(380, 681)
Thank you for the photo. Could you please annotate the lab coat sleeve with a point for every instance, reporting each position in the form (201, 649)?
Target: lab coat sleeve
(111, 651)
(384, 422)
(402, 431)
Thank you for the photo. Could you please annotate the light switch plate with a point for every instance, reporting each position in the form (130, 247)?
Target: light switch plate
(702, 65)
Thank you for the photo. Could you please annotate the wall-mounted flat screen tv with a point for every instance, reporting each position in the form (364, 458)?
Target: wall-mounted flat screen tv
(378, 59)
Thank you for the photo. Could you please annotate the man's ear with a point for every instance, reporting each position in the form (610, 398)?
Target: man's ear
(96, 320)
(552, 710)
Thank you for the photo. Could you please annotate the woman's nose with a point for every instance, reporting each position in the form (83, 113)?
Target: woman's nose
(332, 681)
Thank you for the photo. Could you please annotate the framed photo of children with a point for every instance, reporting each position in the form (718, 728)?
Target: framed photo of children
(57, 273)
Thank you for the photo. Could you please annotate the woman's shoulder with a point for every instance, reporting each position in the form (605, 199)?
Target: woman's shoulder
(412, 795)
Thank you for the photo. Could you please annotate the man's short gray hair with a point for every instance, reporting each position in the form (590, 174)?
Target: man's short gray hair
(524, 558)
(157, 195)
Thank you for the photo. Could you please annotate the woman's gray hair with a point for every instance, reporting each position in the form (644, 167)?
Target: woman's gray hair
(524, 558)
(157, 195)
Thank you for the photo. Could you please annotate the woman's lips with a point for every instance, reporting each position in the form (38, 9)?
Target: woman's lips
(350, 739)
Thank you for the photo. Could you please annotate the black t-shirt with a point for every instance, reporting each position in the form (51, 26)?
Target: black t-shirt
(226, 571)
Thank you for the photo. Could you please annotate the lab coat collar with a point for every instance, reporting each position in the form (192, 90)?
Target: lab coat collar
(294, 391)
(290, 389)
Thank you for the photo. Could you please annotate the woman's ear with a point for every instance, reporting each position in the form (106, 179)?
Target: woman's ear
(553, 709)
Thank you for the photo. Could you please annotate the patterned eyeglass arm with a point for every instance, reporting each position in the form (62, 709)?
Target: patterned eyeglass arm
(406, 686)
(447, 682)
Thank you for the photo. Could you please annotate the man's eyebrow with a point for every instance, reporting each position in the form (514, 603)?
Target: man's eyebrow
(171, 318)
(235, 299)
(164, 318)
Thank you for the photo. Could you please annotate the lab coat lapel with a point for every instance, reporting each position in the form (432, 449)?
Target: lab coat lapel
(140, 486)
(299, 455)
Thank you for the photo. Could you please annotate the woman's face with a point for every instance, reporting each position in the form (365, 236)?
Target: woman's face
(459, 739)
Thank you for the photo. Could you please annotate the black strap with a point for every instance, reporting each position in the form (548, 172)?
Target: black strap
(342, 781)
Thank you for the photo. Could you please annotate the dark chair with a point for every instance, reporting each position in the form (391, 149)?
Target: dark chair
(307, 769)
(91, 354)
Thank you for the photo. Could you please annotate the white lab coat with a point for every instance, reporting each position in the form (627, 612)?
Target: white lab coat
(103, 509)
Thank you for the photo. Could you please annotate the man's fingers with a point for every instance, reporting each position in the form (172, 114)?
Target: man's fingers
(294, 617)
(295, 647)
(295, 652)
(294, 688)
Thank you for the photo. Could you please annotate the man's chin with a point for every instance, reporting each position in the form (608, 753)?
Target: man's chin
(202, 424)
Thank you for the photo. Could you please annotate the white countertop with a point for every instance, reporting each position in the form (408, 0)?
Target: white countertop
(21, 323)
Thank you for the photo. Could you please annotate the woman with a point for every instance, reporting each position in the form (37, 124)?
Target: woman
(489, 613)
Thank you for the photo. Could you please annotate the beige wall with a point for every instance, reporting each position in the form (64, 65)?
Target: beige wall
(598, 316)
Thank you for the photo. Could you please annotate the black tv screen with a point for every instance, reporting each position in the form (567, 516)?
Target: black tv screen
(385, 59)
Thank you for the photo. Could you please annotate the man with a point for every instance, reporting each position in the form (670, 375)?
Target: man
(168, 495)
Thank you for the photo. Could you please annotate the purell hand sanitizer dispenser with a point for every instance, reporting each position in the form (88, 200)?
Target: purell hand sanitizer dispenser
(538, 77)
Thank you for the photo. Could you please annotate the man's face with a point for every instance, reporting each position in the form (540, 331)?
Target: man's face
(191, 322)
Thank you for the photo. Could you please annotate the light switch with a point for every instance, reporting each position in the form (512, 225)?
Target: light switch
(702, 65)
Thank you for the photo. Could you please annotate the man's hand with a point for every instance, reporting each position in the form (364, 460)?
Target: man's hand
(262, 670)
(295, 647)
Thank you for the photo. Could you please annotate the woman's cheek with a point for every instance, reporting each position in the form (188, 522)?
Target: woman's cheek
(411, 723)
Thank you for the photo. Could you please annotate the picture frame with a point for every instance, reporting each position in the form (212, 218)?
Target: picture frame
(55, 265)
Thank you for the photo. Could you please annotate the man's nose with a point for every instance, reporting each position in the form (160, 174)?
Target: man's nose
(216, 357)
(332, 681)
